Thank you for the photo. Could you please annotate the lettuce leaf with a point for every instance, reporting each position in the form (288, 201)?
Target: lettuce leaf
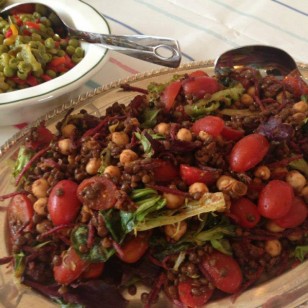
(301, 252)
(24, 155)
(209, 202)
(206, 106)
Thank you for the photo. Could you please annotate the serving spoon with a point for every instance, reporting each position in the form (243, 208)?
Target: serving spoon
(267, 59)
(154, 49)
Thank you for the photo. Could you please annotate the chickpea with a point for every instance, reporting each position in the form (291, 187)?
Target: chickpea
(273, 227)
(300, 106)
(65, 146)
(39, 188)
(198, 188)
(176, 231)
(127, 156)
(184, 134)
(43, 226)
(263, 172)
(173, 201)
(296, 180)
(91, 144)
(134, 122)
(273, 247)
(246, 99)
(113, 171)
(299, 117)
(93, 165)
(120, 138)
(162, 128)
(68, 130)
(40, 206)
(71, 159)
(304, 193)
(295, 236)
(204, 136)
(231, 186)
(280, 96)
(251, 91)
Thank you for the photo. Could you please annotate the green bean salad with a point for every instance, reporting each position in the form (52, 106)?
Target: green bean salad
(31, 52)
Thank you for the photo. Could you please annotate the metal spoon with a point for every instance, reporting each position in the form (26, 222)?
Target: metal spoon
(267, 59)
(158, 50)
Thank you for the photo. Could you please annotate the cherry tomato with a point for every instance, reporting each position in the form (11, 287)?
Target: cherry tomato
(198, 73)
(201, 85)
(229, 133)
(223, 270)
(248, 152)
(165, 171)
(94, 270)
(70, 268)
(246, 212)
(42, 136)
(275, 199)
(191, 175)
(102, 190)
(63, 204)
(295, 216)
(133, 249)
(19, 212)
(170, 93)
(189, 299)
(210, 124)
(295, 84)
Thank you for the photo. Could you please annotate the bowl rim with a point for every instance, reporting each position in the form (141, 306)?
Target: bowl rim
(57, 89)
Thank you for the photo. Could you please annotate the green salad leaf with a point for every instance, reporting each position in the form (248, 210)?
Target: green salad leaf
(300, 165)
(24, 155)
(96, 253)
(206, 106)
(209, 202)
(301, 252)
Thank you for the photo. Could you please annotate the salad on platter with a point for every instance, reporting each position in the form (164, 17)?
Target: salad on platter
(197, 188)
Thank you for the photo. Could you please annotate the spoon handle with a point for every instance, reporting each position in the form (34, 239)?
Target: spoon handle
(158, 50)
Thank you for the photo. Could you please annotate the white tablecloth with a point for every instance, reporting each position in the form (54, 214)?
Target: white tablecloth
(204, 28)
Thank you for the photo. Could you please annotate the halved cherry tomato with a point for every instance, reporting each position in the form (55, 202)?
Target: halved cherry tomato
(229, 133)
(94, 270)
(63, 204)
(165, 171)
(295, 216)
(97, 192)
(70, 268)
(275, 199)
(19, 212)
(210, 124)
(191, 175)
(248, 152)
(223, 270)
(133, 249)
(201, 85)
(189, 299)
(246, 212)
(170, 93)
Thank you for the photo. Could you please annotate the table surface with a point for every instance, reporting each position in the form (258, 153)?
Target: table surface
(204, 29)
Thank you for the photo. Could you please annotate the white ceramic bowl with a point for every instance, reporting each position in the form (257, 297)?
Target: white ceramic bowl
(27, 104)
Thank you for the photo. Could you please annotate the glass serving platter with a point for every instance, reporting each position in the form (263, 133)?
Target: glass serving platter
(286, 291)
